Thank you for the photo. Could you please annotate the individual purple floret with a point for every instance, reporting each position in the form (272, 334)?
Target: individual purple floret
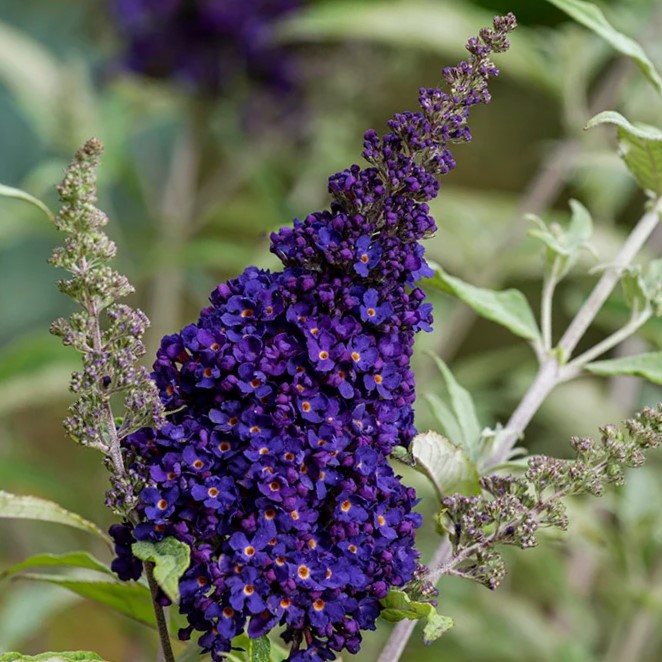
(208, 45)
(291, 390)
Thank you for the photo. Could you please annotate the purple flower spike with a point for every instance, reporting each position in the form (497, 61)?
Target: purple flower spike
(291, 390)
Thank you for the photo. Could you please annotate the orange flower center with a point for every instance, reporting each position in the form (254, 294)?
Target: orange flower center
(212, 492)
(303, 571)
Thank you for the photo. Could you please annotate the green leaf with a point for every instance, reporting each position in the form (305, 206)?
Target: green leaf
(432, 25)
(436, 625)
(508, 307)
(11, 192)
(447, 466)
(397, 606)
(259, 649)
(648, 366)
(14, 506)
(171, 559)
(131, 599)
(591, 17)
(640, 147)
(564, 244)
(68, 656)
(77, 559)
(444, 416)
(463, 411)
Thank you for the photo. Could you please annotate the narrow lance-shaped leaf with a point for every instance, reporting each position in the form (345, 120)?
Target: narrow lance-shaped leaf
(13, 506)
(640, 147)
(171, 559)
(648, 366)
(77, 559)
(464, 411)
(131, 599)
(11, 192)
(591, 17)
(508, 307)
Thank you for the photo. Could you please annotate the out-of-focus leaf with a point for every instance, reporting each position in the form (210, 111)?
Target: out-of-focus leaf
(31, 352)
(171, 559)
(508, 307)
(131, 599)
(14, 506)
(77, 559)
(427, 24)
(447, 466)
(26, 607)
(640, 147)
(67, 656)
(397, 606)
(648, 366)
(591, 16)
(19, 391)
(463, 411)
(33, 76)
(11, 192)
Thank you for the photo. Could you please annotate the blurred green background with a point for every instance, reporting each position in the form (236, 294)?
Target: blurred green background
(194, 187)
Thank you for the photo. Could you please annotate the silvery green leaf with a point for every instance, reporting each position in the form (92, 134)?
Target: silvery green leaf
(14, 506)
(508, 307)
(397, 606)
(77, 559)
(564, 244)
(446, 465)
(67, 656)
(259, 649)
(648, 366)
(591, 16)
(171, 559)
(129, 598)
(640, 147)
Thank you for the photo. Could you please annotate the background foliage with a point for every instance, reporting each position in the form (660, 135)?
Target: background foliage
(185, 220)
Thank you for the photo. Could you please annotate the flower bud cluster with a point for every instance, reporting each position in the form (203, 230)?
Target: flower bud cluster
(108, 334)
(512, 509)
(288, 394)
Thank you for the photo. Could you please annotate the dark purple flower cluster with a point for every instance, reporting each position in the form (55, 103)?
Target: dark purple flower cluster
(290, 392)
(208, 45)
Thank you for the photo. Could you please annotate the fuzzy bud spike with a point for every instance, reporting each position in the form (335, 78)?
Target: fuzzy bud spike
(108, 334)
